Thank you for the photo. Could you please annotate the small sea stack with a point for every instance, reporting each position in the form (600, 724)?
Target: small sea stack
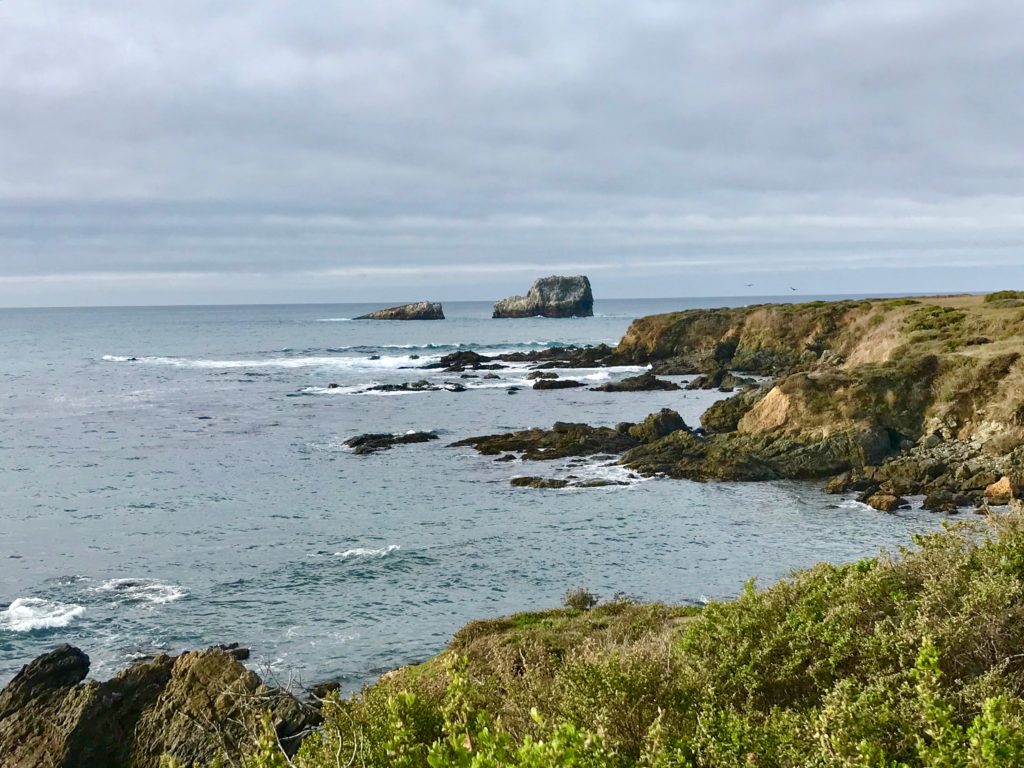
(420, 310)
(555, 296)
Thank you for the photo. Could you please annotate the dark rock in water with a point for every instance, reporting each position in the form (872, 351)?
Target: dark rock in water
(235, 651)
(597, 356)
(414, 357)
(421, 310)
(332, 385)
(557, 384)
(940, 502)
(457, 362)
(373, 442)
(598, 482)
(511, 390)
(506, 457)
(375, 357)
(645, 382)
(469, 376)
(534, 375)
(491, 376)
(555, 296)
(658, 425)
(454, 387)
(722, 380)
(561, 441)
(406, 386)
(886, 502)
(539, 482)
(196, 708)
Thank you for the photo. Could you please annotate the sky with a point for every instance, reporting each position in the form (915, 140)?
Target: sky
(250, 151)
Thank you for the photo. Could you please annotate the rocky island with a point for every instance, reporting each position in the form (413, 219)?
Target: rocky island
(555, 296)
(420, 310)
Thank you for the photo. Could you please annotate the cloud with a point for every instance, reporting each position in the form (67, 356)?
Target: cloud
(427, 137)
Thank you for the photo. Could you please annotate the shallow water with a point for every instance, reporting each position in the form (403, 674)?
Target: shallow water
(201, 493)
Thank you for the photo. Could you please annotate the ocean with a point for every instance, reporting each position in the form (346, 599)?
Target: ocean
(176, 477)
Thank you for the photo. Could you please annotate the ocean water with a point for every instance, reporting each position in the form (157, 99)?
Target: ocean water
(201, 493)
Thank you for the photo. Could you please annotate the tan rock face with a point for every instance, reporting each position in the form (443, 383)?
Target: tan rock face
(421, 310)
(1001, 491)
(196, 707)
(555, 296)
(769, 414)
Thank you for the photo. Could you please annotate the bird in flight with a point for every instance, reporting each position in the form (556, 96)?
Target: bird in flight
(792, 288)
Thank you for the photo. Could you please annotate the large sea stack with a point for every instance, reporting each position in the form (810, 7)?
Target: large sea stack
(421, 310)
(555, 296)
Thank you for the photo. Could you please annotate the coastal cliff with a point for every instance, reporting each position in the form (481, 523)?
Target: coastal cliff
(888, 397)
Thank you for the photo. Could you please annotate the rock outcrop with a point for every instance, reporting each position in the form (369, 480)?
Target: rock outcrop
(645, 382)
(196, 708)
(555, 296)
(373, 442)
(420, 310)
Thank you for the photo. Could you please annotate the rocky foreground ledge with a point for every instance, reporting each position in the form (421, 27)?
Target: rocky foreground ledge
(196, 708)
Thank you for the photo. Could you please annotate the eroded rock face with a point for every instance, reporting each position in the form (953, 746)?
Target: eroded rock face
(555, 296)
(195, 707)
(420, 310)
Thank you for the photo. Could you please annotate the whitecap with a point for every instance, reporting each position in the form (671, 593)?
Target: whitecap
(26, 614)
(142, 591)
(314, 361)
(333, 320)
(364, 552)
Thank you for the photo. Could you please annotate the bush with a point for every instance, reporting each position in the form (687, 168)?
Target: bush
(911, 661)
(579, 599)
(1006, 298)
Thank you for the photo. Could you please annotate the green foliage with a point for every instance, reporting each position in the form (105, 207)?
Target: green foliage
(579, 599)
(895, 662)
(935, 318)
(1005, 298)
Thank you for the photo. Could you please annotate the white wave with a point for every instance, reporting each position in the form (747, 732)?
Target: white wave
(368, 552)
(26, 614)
(317, 361)
(143, 590)
(334, 320)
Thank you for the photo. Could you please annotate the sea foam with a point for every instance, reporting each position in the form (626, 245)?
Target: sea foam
(142, 591)
(26, 614)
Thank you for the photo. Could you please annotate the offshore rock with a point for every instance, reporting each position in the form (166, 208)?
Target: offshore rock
(555, 296)
(420, 310)
(557, 384)
(372, 442)
(198, 707)
(645, 382)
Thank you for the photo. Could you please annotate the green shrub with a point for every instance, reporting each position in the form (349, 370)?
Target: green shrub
(579, 599)
(1005, 298)
(899, 662)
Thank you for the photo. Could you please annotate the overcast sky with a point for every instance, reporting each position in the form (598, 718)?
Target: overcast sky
(251, 151)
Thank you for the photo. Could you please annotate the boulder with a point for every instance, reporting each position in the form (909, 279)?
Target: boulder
(658, 425)
(645, 382)
(197, 708)
(557, 384)
(1001, 491)
(420, 310)
(886, 502)
(534, 375)
(538, 482)
(372, 442)
(555, 296)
